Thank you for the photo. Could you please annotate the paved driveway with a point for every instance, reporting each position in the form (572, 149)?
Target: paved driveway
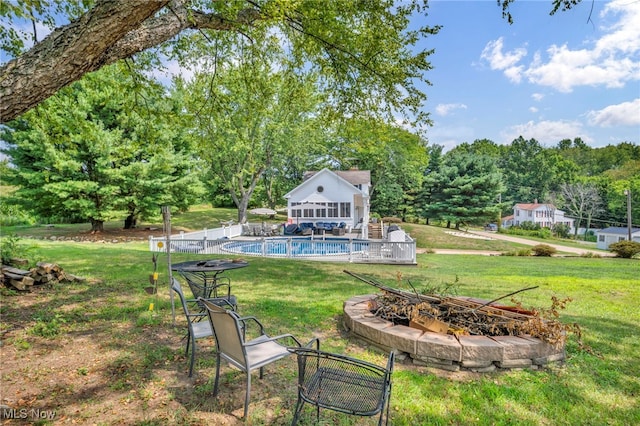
(559, 247)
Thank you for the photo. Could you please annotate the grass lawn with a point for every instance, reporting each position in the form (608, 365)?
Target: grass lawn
(96, 354)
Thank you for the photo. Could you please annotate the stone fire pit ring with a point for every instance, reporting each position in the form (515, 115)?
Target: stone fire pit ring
(445, 351)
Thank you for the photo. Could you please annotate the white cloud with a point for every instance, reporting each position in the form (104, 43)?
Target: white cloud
(446, 109)
(537, 97)
(611, 61)
(624, 114)
(533, 109)
(545, 132)
(505, 62)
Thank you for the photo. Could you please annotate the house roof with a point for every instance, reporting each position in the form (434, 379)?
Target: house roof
(309, 176)
(354, 177)
(617, 230)
(533, 206)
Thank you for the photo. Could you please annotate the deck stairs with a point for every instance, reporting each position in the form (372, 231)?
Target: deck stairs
(375, 231)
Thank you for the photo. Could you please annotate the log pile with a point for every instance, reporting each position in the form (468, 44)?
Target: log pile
(461, 316)
(43, 273)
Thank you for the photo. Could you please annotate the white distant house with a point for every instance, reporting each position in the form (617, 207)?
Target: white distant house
(331, 196)
(544, 214)
(615, 234)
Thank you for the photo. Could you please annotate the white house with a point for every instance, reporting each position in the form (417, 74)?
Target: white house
(332, 196)
(545, 215)
(614, 234)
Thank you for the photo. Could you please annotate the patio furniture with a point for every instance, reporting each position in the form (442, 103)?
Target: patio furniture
(341, 383)
(246, 354)
(197, 323)
(206, 279)
(291, 229)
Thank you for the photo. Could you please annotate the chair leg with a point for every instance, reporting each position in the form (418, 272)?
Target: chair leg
(215, 384)
(296, 414)
(248, 395)
(193, 355)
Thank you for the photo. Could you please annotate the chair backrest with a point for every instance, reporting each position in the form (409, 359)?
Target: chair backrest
(227, 330)
(175, 286)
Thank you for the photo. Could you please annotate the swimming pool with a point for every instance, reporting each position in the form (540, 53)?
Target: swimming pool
(297, 246)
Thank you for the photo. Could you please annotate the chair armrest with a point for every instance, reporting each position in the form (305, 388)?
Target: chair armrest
(310, 343)
(272, 339)
(196, 317)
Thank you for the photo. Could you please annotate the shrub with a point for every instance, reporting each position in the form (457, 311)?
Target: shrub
(626, 249)
(521, 252)
(543, 250)
(11, 247)
(391, 219)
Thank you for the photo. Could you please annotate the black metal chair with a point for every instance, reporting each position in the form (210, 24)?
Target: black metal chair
(341, 383)
(229, 330)
(197, 322)
(218, 288)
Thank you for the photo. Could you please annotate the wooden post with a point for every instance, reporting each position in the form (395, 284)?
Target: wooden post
(166, 217)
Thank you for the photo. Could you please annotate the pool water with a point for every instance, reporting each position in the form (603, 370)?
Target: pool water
(296, 246)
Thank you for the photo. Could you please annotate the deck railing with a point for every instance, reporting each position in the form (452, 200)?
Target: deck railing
(326, 249)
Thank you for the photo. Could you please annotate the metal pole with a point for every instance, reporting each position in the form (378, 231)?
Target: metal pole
(627, 192)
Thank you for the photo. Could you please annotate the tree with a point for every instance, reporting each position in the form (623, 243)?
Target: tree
(85, 154)
(464, 191)
(396, 158)
(532, 172)
(362, 49)
(248, 119)
(582, 201)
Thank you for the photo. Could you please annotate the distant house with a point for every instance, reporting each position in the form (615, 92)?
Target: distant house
(546, 215)
(507, 221)
(615, 234)
(331, 196)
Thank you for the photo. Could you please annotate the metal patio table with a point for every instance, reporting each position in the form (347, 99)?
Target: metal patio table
(206, 278)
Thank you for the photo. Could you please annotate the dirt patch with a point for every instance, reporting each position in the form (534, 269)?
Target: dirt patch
(84, 354)
(94, 371)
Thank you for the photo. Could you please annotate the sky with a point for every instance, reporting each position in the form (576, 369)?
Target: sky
(573, 74)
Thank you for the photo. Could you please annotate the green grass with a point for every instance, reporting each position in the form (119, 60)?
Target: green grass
(595, 387)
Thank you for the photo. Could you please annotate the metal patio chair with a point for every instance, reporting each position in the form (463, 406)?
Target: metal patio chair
(341, 383)
(197, 322)
(218, 288)
(229, 330)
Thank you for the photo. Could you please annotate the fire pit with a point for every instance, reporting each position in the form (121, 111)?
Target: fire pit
(453, 333)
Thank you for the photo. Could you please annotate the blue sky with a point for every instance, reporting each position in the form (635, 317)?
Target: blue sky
(544, 77)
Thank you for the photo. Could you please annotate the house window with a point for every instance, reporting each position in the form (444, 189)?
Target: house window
(601, 238)
(345, 209)
(321, 212)
(332, 210)
(294, 212)
(622, 239)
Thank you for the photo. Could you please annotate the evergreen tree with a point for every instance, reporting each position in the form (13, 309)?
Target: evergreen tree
(91, 152)
(464, 191)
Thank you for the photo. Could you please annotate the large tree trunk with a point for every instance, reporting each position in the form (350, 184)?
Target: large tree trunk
(97, 225)
(130, 221)
(111, 30)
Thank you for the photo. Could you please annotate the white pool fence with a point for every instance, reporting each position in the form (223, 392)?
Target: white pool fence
(225, 240)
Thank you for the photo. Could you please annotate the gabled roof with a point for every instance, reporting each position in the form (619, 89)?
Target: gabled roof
(309, 176)
(354, 177)
(617, 230)
(534, 206)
